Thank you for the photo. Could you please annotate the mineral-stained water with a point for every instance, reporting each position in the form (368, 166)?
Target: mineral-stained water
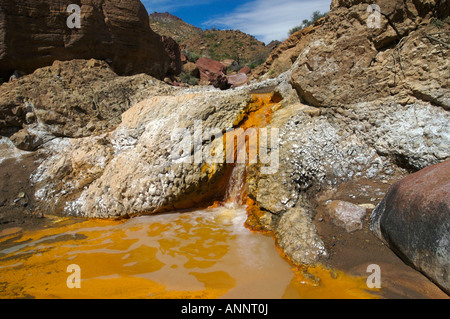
(198, 254)
(205, 253)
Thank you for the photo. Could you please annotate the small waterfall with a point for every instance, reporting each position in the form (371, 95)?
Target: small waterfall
(236, 186)
(259, 115)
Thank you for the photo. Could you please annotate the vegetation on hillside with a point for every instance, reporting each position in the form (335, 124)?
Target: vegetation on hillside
(216, 44)
(306, 23)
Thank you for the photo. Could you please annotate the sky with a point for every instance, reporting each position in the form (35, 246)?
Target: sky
(267, 20)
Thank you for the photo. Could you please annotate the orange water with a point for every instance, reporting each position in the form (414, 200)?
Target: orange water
(200, 254)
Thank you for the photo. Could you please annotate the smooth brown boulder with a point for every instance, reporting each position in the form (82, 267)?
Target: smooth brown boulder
(212, 73)
(34, 33)
(414, 219)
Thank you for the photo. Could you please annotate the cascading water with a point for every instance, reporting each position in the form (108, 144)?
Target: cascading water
(204, 253)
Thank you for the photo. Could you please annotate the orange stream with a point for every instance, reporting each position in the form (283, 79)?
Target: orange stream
(199, 254)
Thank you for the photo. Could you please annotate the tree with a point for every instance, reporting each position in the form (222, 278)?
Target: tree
(306, 23)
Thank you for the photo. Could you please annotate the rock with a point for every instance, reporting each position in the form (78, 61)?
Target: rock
(16, 75)
(237, 80)
(191, 69)
(212, 73)
(414, 219)
(298, 238)
(143, 166)
(360, 115)
(245, 70)
(285, 54)
(140, 167)
(184, 58)
(35, 34)
(346, 215)
(73, 98)
(229, 63)
(174, 52)
(368, 207)
(26, 141)
(273, 44)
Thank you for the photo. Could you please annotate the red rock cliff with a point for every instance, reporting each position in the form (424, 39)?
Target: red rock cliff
(34, 33)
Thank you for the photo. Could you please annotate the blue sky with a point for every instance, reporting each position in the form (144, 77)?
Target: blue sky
(267, 20)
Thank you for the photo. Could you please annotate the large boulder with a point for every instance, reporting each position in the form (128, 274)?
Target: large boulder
(414, 219)
(35, 33)
(236, 80)
(391, 59)
(398, 57)
(373, 113)
(146, 165)
(212, 73)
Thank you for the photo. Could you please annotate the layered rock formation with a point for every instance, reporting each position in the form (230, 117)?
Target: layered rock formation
(392, 59)
(374, 104)
(35, 33)
(70, 99)
(155, 160)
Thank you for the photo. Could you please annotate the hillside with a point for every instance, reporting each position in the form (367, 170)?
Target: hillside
(216, 44)
(172, 26)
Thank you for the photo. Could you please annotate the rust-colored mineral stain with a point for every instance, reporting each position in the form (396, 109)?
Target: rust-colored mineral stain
(322, 283)
(204, 254)
(258, 114)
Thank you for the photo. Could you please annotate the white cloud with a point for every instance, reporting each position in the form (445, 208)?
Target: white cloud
(269, 20)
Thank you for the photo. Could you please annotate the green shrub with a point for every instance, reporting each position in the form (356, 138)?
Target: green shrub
(189, 79)
(191, 56)
(306, 23)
